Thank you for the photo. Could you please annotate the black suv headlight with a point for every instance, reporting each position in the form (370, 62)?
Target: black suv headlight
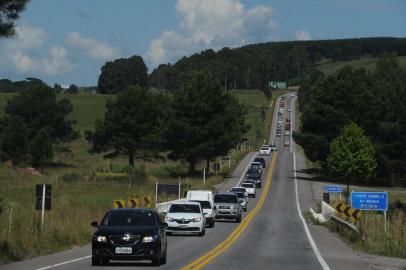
(150, 239)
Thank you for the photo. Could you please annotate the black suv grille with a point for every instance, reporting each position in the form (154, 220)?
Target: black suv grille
(125, 239)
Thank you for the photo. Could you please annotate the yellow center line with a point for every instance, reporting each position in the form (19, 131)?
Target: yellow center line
(223, 246)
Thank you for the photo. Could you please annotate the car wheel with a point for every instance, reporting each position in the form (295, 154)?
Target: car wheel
(238, 219)
(96, 261)
(163, 259)
(202, 233)
(168, 233)
(156, 261)
(105, 261)
(213, 223)
(245, 209)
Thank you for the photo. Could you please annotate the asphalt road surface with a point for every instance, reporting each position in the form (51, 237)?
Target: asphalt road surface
(272, 236)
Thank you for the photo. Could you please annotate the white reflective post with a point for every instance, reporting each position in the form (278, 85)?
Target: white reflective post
(43, 206)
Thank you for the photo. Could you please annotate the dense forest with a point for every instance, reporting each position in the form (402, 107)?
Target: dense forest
(375, 101)
(253, 66)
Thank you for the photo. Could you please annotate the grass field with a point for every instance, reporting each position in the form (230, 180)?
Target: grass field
(79, 197)
(367, 63)
(86, 108)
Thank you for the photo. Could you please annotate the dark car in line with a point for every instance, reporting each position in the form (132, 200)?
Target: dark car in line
(260, 160)
(254, 175)
(129, 235)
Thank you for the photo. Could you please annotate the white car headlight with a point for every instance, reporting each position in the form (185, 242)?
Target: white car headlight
(169, 219)
(101, 239)
(149, 239)
(198, 219)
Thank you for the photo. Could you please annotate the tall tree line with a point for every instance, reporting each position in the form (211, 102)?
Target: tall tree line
(374, 100)
(198, 122)
(248, 67)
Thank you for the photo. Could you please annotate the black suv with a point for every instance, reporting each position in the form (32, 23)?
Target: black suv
(254, 175)
(260, 160)
(129, 234)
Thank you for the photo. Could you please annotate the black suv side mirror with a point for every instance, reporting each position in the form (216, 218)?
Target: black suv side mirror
(94, 224)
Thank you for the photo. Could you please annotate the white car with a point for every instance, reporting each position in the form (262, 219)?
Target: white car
(289, 110)
(250, 188)
(205, 198)
(287, 133)
(265, 151)
(186, 217)
(292, 95)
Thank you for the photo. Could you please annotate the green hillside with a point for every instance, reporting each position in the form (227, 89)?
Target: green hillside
(367, 63)
(86, 108)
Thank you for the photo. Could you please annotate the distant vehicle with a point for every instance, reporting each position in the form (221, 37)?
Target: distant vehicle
(242, 200)
(289, 110)
(261, 160)
(273, 146)
(239, 189)
(281, 110)
(265, 151)
(279, 113)
(287, 133)
(186, 217)
(287, 126)
(257, 165)
(287, 143)
(292, 95)
(279, 124)
(250, 188)
(288, 120)
(205, 197)
(227, 206)
(278, 133)
(254, 175)
(129, 234)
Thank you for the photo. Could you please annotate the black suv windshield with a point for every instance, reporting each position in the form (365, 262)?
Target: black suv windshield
(223, 198)
(253, 171)
(184, 208)
(204, 204)
(129, 218)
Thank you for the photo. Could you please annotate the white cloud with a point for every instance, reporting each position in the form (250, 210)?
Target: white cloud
(303, 35)
(28, 40)
(22, 62)
(26, 37)
(211, 24)
(58, 63)
(94, 48)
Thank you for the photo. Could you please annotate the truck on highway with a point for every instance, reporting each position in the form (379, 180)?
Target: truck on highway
(205, 198)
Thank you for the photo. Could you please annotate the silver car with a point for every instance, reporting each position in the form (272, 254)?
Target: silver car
(227, 206)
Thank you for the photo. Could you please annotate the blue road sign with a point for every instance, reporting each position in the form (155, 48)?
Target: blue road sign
(375, 201)
(333, 189)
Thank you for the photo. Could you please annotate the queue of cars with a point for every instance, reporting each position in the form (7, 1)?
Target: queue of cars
(280, 123)
(140, 234)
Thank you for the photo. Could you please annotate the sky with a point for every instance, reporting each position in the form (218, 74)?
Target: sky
(68, 41)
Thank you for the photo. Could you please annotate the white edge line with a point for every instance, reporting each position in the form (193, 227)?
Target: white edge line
(316, 251)
(243, 175)
(63, 263)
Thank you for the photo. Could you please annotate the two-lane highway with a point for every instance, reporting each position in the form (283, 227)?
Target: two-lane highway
(276, 239)
(270, 236)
